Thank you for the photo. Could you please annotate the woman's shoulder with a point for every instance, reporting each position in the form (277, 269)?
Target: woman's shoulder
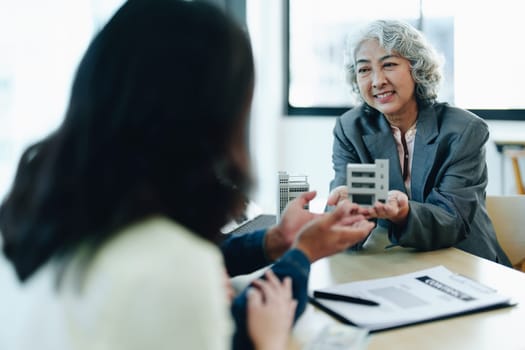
(446, 110)
(456, 117)
(159, 241)
(144, 253)
(359, 119)
(156, 256)
(153, 276)
(355, 113)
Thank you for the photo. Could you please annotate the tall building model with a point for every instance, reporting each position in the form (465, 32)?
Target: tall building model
(367, 183)
(290, 187)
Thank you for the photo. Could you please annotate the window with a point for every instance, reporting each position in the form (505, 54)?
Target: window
(41, 43)
(480, 43)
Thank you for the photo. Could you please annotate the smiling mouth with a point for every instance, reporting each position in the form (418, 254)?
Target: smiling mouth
(384, 94)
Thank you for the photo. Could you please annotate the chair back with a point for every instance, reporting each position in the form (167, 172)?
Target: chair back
(514, 155)
(508, 217)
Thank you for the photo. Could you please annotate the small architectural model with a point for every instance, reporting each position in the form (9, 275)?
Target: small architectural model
(290, 187)
(367, 183)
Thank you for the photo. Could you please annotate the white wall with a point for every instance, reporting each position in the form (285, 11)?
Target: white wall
(265, 33)
(303, 145)
(41, 43)
(308, 148)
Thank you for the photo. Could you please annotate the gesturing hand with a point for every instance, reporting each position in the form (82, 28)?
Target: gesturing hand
(271, 311)
(337, 194)
(333, 232)
(395, 209)
(279, 238)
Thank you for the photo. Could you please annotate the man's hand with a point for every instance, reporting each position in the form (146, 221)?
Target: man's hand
(279, 238)
(333, 232)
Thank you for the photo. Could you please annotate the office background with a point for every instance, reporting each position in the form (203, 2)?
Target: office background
(303, 144)
(42, 41)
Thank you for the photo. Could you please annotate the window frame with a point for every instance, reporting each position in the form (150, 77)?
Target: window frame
(318, 111)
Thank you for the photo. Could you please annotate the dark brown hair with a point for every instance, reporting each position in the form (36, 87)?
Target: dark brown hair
(156, 101)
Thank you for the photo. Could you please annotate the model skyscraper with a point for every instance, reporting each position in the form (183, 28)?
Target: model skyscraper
(290, 187)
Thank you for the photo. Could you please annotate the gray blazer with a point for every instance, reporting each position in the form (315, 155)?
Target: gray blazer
(448, 176)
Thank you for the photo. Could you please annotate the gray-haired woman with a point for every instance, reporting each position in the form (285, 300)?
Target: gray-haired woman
(438, 171)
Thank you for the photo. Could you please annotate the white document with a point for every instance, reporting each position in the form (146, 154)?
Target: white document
(338, 336)
(410, 298)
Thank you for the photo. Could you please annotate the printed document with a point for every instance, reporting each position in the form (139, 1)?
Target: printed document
(415, 297)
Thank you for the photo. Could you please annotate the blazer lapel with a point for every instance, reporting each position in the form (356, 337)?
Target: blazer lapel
(382, 146)
(424, 151)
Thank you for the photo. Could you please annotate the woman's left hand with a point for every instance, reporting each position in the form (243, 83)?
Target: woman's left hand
(395, 209)
(271, 310)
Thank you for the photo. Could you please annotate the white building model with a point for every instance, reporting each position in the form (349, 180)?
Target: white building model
(290, 187)
(367, 183)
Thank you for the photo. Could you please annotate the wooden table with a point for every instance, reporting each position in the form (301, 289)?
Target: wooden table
(500, 329)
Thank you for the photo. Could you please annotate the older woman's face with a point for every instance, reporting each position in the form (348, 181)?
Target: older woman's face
(385, 81)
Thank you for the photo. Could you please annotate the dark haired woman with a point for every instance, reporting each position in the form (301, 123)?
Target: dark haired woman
(118, 212)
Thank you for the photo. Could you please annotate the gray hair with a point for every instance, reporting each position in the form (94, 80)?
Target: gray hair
(408, 42)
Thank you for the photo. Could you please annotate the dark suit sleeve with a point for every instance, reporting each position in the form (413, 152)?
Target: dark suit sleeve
(293, 264)
(244, 253)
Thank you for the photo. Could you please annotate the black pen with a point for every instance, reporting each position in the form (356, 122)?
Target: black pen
(347, 298)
